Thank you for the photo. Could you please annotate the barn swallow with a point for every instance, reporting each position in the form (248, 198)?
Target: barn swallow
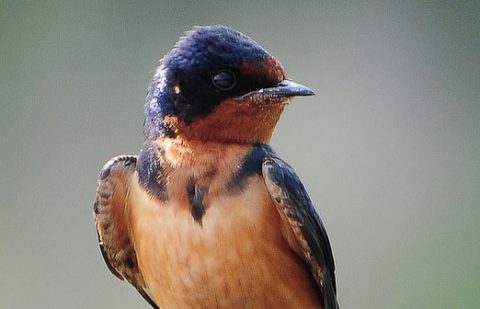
(208, 215)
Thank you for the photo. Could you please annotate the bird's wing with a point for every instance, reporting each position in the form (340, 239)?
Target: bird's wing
(113, 227)
(302, 227)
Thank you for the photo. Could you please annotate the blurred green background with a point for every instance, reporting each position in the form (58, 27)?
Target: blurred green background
(389, 148)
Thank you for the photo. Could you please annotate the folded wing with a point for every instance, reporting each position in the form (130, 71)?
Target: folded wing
(113, 229)
(302, 227)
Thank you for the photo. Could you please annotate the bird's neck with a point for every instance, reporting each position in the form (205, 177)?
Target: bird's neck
(181, 153)
(167, 166)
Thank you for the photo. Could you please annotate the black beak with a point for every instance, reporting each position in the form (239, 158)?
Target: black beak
(284, 89)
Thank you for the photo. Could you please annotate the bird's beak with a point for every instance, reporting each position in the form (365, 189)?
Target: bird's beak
(287, 88)
(284, 89)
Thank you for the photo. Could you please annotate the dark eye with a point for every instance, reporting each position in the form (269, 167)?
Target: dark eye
(224, 80)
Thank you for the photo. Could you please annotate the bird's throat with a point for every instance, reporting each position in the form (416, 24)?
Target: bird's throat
(233, 121)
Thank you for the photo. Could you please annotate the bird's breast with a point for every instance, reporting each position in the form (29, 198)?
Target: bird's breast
(234, 257)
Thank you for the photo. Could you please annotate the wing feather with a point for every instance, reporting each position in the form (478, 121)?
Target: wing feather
(113, 228)
(306, 233)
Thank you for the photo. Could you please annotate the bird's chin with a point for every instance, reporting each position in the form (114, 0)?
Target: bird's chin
(251, 120)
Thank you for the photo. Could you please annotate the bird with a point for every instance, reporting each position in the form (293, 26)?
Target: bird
(208, 215)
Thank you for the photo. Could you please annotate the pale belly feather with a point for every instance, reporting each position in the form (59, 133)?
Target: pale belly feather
(237, 257)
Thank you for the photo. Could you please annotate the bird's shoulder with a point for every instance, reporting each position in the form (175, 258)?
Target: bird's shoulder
(302, 226)
(112, 222)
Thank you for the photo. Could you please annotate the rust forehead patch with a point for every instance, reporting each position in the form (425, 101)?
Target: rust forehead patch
(270, 69)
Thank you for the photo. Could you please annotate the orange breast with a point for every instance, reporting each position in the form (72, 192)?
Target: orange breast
(237, 258)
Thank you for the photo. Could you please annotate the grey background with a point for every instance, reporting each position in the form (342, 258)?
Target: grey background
(389, 148)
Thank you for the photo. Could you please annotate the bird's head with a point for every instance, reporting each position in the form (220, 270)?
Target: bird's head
(218, 85)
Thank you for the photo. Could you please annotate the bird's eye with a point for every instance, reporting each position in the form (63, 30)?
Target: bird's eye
(224, 80)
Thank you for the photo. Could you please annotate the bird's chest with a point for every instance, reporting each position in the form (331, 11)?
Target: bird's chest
(212, 237)
(187, 262)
